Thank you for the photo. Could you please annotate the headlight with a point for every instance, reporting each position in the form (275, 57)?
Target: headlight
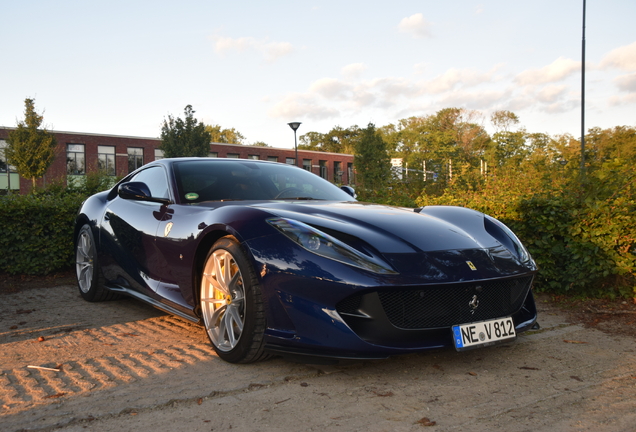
(506, 237)
(323, 244)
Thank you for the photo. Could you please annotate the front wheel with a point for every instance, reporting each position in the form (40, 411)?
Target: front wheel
(231, 304)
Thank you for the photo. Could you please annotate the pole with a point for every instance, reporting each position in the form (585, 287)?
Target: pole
(583, 98)
(295, 148)
(295, 126)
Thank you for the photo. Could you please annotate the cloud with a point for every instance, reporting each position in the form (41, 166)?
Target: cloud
(551, 93)
(558, 70)
(330, 88)
(622, 100)
(561, 106)
(626, 83)
(302, 106)
(480, 100)
(332, 98)
(416, 26)
(458, 77)
(275, 50)
(420, 68)
(329, 97)
(389, 87)
(271, 51)
(353, 70)
(623, 58)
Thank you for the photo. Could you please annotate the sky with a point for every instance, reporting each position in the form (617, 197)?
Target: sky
(123, 67)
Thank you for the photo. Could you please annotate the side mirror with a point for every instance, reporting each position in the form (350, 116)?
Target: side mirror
(138, 191)
(351, 191)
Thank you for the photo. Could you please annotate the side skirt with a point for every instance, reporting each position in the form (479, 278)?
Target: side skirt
(161, 306)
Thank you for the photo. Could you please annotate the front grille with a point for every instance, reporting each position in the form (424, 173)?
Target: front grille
(450, 305)
(447, 305)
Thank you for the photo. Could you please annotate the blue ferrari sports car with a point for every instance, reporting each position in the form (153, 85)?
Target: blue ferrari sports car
(272, 259)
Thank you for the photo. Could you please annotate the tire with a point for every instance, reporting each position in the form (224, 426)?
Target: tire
(89, 279)
(231, 304)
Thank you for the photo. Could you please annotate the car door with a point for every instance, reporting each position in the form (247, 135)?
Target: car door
(128, 235)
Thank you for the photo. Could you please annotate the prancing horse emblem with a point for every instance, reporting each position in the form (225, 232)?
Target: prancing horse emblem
(474, 303)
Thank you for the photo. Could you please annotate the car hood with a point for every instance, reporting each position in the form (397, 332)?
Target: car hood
(392, 229)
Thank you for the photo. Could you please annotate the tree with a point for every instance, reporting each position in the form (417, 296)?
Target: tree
(30, 149)
(187, 137)
(225, 136)
(337, 140)
(372, 159)
(504, 120)
(507, 146)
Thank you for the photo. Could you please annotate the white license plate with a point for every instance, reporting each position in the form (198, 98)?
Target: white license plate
(483, 333)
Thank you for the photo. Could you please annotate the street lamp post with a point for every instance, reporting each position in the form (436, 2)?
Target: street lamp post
(583, 97)
(295, 126)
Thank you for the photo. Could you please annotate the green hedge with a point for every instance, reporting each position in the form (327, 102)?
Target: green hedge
(583, 246)
(37, 233)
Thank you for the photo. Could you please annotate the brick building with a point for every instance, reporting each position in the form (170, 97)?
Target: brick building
(80, 153)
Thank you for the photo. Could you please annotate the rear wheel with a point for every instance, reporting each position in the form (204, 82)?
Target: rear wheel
(89, 280)
(231, 304)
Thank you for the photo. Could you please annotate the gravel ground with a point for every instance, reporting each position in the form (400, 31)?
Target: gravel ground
(69, 365)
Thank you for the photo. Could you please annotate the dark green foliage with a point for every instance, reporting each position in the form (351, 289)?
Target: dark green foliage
(372, 161)
(581, 232)
(337, 140)
(38, 228)
(37, 232)
(93, 182)
(185, 138)
(581, 246)
(30, 149)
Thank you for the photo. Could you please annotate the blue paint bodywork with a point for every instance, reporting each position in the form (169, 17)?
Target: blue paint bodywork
(154, 250)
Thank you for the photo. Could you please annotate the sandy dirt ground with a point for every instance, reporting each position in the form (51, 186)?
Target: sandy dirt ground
(69, 365)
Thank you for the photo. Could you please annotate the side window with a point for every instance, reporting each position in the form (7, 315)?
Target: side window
(155, 178)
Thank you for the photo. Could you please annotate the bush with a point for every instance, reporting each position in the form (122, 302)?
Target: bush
(581, 234)
(37, 236)
(581, 246)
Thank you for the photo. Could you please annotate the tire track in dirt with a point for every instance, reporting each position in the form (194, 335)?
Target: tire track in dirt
(100, 358)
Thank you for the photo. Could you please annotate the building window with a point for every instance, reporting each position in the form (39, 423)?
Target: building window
(9, 179)
(213, 154)
(272, 158)
(4, 166)
(337, 172)
(75, 159)
(106, 159)
(135, 158)
(290, 161)
(307, 164)
(233, 155)
(323, 169)
(254, 157)
(350, 179)
(159, 154)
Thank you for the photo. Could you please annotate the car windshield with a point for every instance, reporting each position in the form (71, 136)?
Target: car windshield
(225, 180)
